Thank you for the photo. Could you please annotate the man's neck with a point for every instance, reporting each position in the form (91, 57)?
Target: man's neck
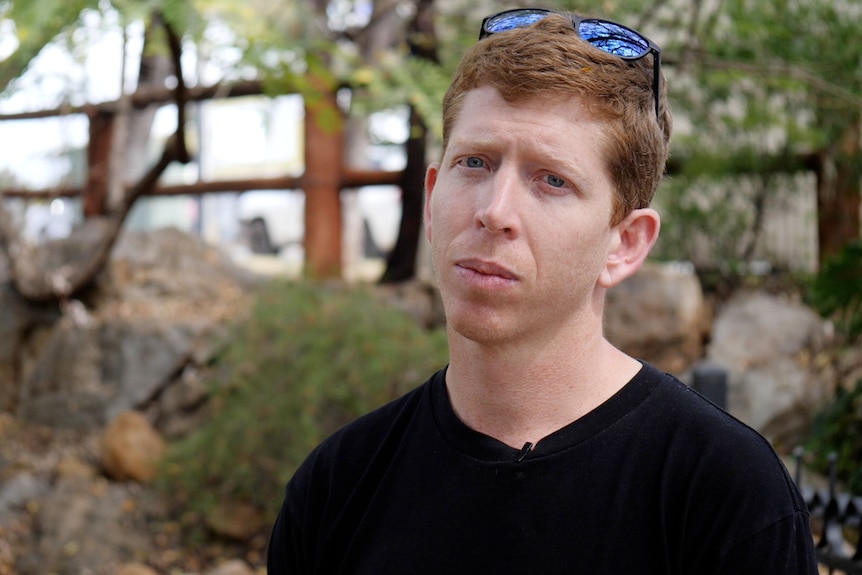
(520, 395)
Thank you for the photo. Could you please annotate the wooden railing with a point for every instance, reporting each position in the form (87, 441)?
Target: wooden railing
(325, 175)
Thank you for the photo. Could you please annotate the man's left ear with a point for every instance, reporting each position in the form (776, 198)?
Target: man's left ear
(636, 235)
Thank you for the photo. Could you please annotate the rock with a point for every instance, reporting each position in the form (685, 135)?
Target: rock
(88, 373)
(17, 491)
(237, 521)
(71, 466)
(141, 357)
(19, 321)
(82, 525)
(176, 410)
(232, 567)
(163, 308)
(65, 388)
(764, 341)
(659, 315)
(131, 448)
(136, 569)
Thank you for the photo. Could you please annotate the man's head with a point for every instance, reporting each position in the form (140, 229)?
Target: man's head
(548, 60)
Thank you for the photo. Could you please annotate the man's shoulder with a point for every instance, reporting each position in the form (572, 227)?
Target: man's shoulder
(685, 409)
(728, 476)
(714, 451)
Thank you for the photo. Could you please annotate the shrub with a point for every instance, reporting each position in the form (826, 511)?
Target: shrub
(837, 290)
(838, 429)
(310, 358)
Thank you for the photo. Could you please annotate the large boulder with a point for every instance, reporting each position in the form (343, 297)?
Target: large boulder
(768, 345)
(85, 524)
(659, 315)
(21, 324)
(162, 309)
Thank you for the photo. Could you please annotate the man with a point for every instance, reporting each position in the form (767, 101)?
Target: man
(542, 448)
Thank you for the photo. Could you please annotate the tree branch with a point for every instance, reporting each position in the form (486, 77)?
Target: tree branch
(775, 69)
(58, 270)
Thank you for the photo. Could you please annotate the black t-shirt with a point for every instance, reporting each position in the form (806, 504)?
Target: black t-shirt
(656, 480)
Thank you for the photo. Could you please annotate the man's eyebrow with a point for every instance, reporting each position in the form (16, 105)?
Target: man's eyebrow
(478, 142)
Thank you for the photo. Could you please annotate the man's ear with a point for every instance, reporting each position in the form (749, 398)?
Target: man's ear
(430, 182)
(636, 235)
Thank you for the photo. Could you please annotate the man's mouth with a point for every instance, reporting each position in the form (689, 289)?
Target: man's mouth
(486, 268)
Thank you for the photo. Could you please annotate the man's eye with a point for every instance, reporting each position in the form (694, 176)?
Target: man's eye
(474, 162)
(556, 181)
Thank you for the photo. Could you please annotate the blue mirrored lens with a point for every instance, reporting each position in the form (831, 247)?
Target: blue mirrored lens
(613, 38)
(510, 21)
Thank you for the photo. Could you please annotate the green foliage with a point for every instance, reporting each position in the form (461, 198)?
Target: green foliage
(837, 290)
(714, 220)
(310, 358)
(36, 24)
(767, 86)
(788, 67)
(838, 430)
(704, 221)
(416, 81)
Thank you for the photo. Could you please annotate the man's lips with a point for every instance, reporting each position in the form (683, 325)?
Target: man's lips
(485, 268)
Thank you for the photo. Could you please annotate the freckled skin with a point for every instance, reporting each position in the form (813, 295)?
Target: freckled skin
(522, 189)
(518, 215)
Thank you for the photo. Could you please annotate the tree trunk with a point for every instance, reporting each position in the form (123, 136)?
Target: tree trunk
(401, 263)
(838, 193)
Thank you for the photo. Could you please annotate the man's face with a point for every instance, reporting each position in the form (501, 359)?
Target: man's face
(517, 213)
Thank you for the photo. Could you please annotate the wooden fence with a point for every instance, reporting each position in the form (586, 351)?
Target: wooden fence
(325, 175)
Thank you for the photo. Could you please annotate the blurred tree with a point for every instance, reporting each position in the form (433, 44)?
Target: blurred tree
(36, 23)
(51, 272)
(401, 262)
(773, 89)
(312, 47)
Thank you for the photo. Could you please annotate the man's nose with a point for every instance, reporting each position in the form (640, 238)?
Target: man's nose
(498, 204)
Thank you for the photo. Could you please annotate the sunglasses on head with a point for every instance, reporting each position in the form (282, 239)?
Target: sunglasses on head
(605, 35)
